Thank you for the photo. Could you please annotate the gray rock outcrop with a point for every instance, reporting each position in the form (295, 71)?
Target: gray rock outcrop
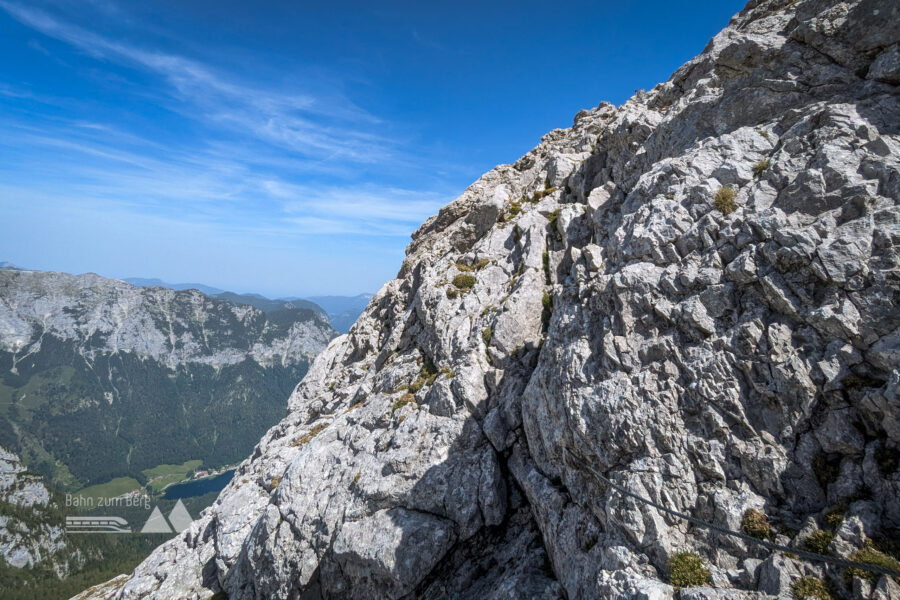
(694, 293)
(27, 537)
(105, 316)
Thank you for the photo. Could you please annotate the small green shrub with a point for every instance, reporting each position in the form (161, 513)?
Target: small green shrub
(759, 167)
(448, 372)
(486, 335)
(870, 556)
(756, 524)
(785, 529)
(724, 200)
(546, 312)
(474, 266)
(890, 546)
(811, 588)
(274, 483)
(514, 208)
(541, 194)
(464, 281)
(818, 541)
(834, 516)
(452, 293)
(402, 401)
(428, 372)
(553, 217)
(686, 570)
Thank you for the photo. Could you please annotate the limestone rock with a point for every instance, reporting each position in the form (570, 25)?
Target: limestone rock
(708, 362)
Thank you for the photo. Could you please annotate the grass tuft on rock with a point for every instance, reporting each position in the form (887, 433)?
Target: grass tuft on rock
(473, 267)
(871, 556)
(818, 541)
(811, 588)
(464, 281)
(686, 569)
(402, 401)
(541, 194)
(834, 516)
(724, 200)
(486, 335)
(309, 435)
(756, 524)
(760, 167)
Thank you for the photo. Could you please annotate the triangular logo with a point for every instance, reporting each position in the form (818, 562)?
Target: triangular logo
(180, 518)
(156, 523)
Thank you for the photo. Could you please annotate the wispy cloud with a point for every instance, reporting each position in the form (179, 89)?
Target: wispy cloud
(270, 161)
(141, 175)
(325, 126)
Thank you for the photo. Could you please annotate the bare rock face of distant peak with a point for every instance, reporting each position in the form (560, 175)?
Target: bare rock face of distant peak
(693, 293)
(101, 379)
(108, 315)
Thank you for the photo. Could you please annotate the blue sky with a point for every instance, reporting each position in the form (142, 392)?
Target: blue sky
(290, 148)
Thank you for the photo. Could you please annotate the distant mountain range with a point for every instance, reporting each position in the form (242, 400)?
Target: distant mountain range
(261, 302)
(102, 379)
(342, 311)
(153, 282)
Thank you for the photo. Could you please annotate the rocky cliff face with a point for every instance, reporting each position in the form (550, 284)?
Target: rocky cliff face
(27, 537)
(100, 379)
(694, 293)
(172, 327)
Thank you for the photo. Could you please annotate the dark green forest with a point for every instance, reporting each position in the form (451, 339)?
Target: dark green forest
(81, 421)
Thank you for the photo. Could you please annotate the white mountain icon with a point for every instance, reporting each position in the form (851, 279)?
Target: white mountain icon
(180, 518)
(156, 523)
